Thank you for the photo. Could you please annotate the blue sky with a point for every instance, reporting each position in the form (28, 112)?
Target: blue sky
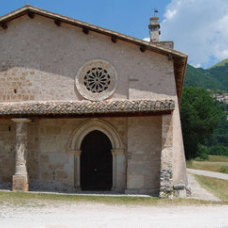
(197, 27)
(126, 16)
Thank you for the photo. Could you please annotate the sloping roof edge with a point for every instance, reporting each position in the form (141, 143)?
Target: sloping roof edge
(180, 59)
(82, 108)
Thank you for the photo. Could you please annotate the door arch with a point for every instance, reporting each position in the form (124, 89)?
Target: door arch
(96, 162)
(73, 147)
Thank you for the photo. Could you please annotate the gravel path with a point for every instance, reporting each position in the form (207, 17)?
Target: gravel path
(95, 215)
(208, 173)
(86, 215)
(198, 192)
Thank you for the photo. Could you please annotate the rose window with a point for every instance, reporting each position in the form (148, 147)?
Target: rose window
(97, 80)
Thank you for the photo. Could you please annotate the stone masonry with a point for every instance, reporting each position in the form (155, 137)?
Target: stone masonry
(61, 79)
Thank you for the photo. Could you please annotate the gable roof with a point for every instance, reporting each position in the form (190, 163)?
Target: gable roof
(179, 59)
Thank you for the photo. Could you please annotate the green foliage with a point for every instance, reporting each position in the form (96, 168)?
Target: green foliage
(222, 63)
(218, 158)
(220, 73)
(202, 153)
(216, 186)
(214, 78)
(218, 141)
(224, 169)
(44, 200)
(215, 163)
(199, 117)
(218, 150)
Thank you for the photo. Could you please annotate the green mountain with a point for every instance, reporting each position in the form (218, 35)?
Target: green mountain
(222, 63)
(214, 78)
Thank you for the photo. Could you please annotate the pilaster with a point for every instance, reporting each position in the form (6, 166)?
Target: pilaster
(117, 160)
(166, 172)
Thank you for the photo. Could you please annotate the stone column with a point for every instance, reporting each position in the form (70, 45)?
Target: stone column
(20, 178)
(77, 154)
(114, 169)
(166, 173)
(117, 170)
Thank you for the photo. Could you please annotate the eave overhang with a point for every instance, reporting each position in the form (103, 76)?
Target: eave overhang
(85, 108)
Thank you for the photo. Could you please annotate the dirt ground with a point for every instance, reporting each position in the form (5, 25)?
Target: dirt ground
(59, 214)
(197, 192)
(85, 215)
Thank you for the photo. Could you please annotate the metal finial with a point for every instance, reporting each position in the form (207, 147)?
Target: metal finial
(155, 12)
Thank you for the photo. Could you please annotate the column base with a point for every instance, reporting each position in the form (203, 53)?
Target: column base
(20, 183)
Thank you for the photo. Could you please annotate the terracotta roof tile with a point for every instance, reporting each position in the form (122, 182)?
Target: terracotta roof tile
(59, 108)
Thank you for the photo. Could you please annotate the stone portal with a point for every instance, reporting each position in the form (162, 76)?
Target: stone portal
(96, 162)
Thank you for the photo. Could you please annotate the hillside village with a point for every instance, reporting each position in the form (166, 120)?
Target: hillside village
(221, 97)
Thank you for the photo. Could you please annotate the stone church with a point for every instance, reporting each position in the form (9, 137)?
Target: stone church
(83, 108)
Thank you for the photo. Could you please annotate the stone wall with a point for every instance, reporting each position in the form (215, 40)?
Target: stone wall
(7, 153)
(144, 155)
(51, 168)
(39, 61)
(49, 165)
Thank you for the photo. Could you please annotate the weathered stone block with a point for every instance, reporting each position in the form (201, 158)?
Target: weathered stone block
(44, 158)
(61, 175)
(135, 181)
(20, 183)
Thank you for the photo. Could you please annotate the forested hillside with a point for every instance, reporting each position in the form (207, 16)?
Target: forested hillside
(214, 78)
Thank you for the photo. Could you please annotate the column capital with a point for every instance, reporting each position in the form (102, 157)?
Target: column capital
(117, 151)
(21, 120)
(74, 152)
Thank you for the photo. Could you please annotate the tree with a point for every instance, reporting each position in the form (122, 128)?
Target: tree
(199, 116)
(220, 135)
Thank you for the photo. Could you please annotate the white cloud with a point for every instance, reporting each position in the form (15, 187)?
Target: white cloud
(170, 14)
(198, 65)
(199, 28)
(147, 39)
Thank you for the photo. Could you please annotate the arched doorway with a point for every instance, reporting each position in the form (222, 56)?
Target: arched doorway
(96, 162)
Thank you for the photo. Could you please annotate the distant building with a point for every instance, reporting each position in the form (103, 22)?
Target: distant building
(87, 109)
(221, 97)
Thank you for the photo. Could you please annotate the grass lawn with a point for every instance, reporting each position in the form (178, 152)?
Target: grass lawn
(19, 199)
(218, 158)
(216, 186)
(215, 163)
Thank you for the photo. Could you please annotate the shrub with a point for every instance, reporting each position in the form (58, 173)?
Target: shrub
(202, 153)
(218, 150)
(223, 169)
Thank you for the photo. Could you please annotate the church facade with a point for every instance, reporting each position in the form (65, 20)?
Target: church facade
(84, 108)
